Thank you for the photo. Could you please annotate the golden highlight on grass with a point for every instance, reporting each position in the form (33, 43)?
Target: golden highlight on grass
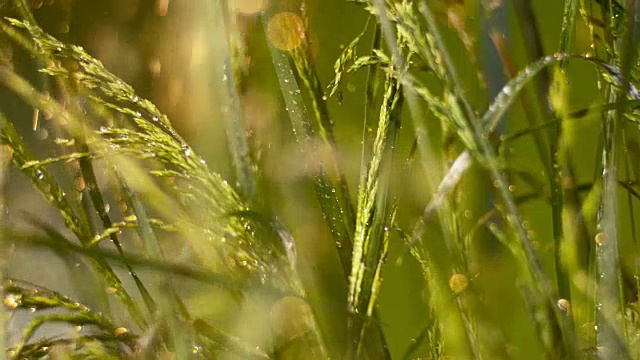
(286, 30)
(392, 221)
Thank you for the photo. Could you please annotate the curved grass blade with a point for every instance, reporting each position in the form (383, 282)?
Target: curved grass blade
(37, 298)
(49, 187)
(486, 154)
(152, 137)
(204, 276)
(89, 176)
(498, 107)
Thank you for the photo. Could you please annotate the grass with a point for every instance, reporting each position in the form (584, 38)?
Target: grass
(458, 226)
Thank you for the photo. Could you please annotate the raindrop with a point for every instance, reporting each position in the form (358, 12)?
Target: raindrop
(39, 175)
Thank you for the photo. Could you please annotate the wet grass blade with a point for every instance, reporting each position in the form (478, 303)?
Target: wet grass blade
(229, 342)
(333, 212)
(189, 272)
(232, 74)
(372, 215)
(46, 183)
(305, 70)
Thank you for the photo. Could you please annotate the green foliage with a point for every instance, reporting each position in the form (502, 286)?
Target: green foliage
(489, 284)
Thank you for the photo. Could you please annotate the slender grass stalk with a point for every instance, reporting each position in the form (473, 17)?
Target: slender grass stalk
(236, 132)
(304, 69)
(611, 332)
(234, 345)
(305, 136)
(373, 210)
(534, 266)
(6, 244)
(54, 195)
(567, 35)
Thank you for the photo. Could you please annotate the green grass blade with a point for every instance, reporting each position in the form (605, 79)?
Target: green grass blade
(488, 157)
(6, 245)
(333, 212)
(373, 208)
(305, 70)
(190, 272)
(229, 342)
(89, 176)
(561, 163)
(232, 75)
(45, 182)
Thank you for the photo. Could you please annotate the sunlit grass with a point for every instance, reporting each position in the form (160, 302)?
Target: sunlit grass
(512, 250)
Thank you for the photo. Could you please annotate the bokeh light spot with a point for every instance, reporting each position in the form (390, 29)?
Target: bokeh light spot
(285, 31)
(458, 283)
(249, 7)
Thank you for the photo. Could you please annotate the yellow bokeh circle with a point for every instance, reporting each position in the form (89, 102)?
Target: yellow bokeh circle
(285, 31)
(458, 283)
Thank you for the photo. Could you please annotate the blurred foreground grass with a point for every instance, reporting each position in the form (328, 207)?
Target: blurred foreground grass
(480, 157)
